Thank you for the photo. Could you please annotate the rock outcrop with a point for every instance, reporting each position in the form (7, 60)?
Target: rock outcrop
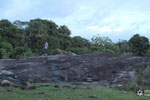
(102, 68)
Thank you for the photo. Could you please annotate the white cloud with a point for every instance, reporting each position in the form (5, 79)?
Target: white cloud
(19, 9)
(85, 17)
(100, 29)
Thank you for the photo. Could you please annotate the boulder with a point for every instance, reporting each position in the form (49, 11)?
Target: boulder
(62, 52)
(103, 68)
(5, 72)
(5, 83)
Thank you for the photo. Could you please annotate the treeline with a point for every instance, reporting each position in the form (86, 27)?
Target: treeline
(24, 39)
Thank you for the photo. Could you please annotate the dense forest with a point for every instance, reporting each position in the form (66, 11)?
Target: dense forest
(23, 39)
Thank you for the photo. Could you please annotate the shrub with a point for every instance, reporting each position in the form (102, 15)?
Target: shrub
(5, 50)
(142, 73)
(21, 51)
(83, 50)
(130, 86)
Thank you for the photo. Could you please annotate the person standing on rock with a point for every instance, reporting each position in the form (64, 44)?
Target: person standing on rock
(45, 48)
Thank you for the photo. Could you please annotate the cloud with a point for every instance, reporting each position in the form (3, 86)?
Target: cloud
(16, 9)
(115, 19)
(100, 29)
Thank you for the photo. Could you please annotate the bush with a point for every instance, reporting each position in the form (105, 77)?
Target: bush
(130, 86)
(108, 51)
(142, 73)
(95, 49)
(147, 52)
(28, 53)
(139, 45)
(53, 52)
(83, 50)
(21, 51)
(5, 50)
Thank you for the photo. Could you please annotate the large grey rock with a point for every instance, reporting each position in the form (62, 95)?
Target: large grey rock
(4, 72)
(107, 69)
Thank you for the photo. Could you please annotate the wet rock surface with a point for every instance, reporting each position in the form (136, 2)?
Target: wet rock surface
(99, 68)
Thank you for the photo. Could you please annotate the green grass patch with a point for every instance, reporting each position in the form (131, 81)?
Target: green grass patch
(68, 92)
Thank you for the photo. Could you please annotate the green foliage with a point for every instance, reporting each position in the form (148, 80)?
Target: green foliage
(103, 44)
(146, 75)
(108, 51)
(124, 47)
(83, 50)
(64, 37)
(64, 30)
(1, 38)
(95, 49)
(5, 50)
(80, 45)
(10, 33)
(36, 33)
(21, 51)
(19, 24)
(129, 86)
(39, 30)
(27, 39)
(142, 72)
(72, 93)
(65, 44)
(148, 53)
(139, 45)
(78, 41)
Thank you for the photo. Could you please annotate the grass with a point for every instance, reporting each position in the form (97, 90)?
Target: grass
(68, 92)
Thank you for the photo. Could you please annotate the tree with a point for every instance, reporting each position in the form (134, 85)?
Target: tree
(80, 45)
(39, 30)
(102, 41)
(139, 45)
(21, 25)
(124, 47)
(10, 33)
(1, 38)
(102, 44)
(78, 41)
(64, 36)
(64, 30)
(5, 50)
(27, 38)
(21, 51)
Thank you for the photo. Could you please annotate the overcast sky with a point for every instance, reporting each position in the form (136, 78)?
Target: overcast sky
(116, 19)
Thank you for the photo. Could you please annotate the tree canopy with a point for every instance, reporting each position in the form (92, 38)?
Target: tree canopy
(23, 39)
(139, 44)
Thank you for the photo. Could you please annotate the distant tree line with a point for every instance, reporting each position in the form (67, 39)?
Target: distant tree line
(24, 39)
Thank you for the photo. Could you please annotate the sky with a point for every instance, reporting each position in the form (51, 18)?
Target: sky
(116, 19)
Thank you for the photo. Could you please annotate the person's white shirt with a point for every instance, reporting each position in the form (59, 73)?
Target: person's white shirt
(46, 45)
